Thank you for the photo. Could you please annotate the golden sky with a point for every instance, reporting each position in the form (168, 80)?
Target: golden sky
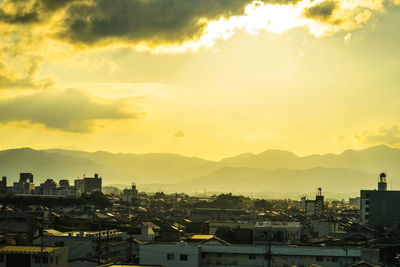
(208, 78)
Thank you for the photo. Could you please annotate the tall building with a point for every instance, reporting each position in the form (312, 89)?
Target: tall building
(88, 185)
(3, 184)
(380, 207)
(315, 207)
(24, 177)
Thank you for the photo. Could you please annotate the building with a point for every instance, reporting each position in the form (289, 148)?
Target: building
(20, 226)
(214, 253)
(129, 195)
(48, 185)
(3, 185)
(25, 185)
(277, 232)
(315, 207)
(33, 256)
(104, 246)
(25, 177)
(64, 184)
(215, 214)
(380, 207)
(88, 185)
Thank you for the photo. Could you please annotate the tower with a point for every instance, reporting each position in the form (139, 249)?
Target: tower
(382, 185)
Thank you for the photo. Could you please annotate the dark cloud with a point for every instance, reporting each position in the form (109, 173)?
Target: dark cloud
(69, 110)
(321, 11)
(29, 12)
(138, 20)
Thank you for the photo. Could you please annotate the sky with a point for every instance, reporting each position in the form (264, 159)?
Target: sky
(206, 78)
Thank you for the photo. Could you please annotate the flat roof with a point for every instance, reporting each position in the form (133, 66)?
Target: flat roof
(27, 249)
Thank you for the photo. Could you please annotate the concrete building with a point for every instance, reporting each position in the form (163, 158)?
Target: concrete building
(129, 195)
(210, 254)
(26, 177)
(25, 185)
(20, 226)
(48, 185)
(112, 245)
(380, 207)
(88, 185)
(33, 256)
(60, 192)
(277, 232)
(315, 207)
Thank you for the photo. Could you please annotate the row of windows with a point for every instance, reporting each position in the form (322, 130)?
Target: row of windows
(36, 259)
(182, 257)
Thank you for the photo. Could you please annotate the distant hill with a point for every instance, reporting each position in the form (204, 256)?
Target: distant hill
(272, 170)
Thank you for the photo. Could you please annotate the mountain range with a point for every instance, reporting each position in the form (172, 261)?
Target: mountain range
(271, 170)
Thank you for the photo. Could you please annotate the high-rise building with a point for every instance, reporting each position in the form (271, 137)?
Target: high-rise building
(380, 207)
(88, 185)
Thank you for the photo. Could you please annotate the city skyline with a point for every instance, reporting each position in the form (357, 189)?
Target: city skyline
(208, 79)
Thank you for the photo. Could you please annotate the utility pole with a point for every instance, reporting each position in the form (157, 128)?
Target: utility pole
(268, 255)
(107, 242)
(98, 247)
(130, 242)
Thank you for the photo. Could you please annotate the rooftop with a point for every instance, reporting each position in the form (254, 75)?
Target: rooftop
(27, 249)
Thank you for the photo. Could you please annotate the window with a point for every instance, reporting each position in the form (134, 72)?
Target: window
(1, 258)
(219, 255)
(203, 255)
(366, 209)
(366, 195)
(320, 258)
(56, 260)
(366, 217)
(170, 257)
(45, 259)
(183, 257)
(252, 256)
(367, 202)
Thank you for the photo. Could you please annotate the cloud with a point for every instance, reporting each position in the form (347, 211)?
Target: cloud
(69, 110)
(29, 11)
(321, 11)
(384, 135)
(179, 134)
(171, 26)
(153, 21)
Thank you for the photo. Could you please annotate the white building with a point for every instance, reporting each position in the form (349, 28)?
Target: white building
(210, 254)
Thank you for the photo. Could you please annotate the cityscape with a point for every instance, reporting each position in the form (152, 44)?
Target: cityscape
(58, 224)
(199, 133)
